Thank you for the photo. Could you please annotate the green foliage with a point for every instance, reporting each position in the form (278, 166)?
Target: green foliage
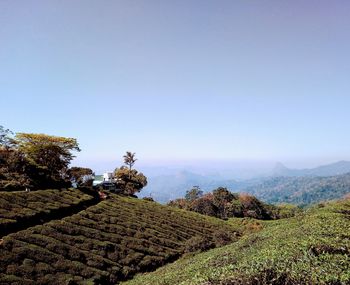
(20, 209)
(34, 160)
(288, 211)
(106, 243)
(81, 176)
(223, 204)
(301, 191)
(48, 156)
(6, 139)
(129, 159)
(12, 163)
(311, 248)
(129, 181)
(193, 194)
(198, 244)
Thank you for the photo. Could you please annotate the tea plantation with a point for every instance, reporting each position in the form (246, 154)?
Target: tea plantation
(18, 210)
(106, 243)
(311, 248)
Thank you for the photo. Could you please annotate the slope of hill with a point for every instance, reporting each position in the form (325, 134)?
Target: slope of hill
(301, 190)
(19, 210)
(106, 243)
(338, 168)
(299, 250)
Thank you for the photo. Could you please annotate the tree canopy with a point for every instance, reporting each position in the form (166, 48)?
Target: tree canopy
(193, 194)
(34, 160)
(81, 176)
(221, 203)
(129, 180)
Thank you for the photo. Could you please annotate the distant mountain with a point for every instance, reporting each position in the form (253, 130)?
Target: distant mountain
(337, 168)
(301, 190)
(171, 184)
(164, 188)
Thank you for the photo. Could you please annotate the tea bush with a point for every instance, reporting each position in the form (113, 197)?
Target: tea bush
(106, 243)
(311, 248)
(19, 210)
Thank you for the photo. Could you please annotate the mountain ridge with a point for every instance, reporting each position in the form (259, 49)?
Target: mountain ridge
(332, 169)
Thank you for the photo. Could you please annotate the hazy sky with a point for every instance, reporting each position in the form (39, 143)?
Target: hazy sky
(180, 80)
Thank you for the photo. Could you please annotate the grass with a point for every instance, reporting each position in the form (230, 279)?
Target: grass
(21, 209)
(311, 248)
(107, 243)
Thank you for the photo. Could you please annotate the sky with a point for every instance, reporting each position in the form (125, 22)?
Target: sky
(180, 81)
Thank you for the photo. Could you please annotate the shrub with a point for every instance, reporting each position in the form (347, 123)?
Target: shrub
(198, 243)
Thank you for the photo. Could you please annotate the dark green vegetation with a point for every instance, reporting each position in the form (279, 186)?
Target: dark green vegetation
(223, 204)
(20, 210)
(40, 161)
(311, 248)
(127, 179)
(108, 242)
(81, 176)
(302, 190)
(35, 161)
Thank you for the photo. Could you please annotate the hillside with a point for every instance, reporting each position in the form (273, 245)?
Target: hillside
(337, 168)
(301, 190)
(19, 210)
(311, 248)
(170, 186)
(106, 243)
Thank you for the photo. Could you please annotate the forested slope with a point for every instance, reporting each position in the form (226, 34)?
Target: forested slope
(301, 190)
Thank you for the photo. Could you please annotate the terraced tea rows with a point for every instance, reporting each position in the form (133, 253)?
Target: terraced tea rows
(311, 248)
(18, 210)
(104, 244)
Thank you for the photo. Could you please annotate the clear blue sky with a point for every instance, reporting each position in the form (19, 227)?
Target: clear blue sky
(180, 80)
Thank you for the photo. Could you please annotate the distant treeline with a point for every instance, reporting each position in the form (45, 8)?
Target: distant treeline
(223, 204)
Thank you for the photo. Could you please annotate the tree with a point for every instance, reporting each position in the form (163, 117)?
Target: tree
(129, 181)
(252, 207)
(129, 159)
(204, 205)
(47, 156)
(34, 160)
(193, 194)
(81, 176)
(12, 163)
(6, 139)
(222, 198)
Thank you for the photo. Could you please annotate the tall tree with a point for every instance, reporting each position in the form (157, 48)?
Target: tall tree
(129, 160)
(129, 180)
(48, 156)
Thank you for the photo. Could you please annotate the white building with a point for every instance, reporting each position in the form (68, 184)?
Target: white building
(108, 177)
